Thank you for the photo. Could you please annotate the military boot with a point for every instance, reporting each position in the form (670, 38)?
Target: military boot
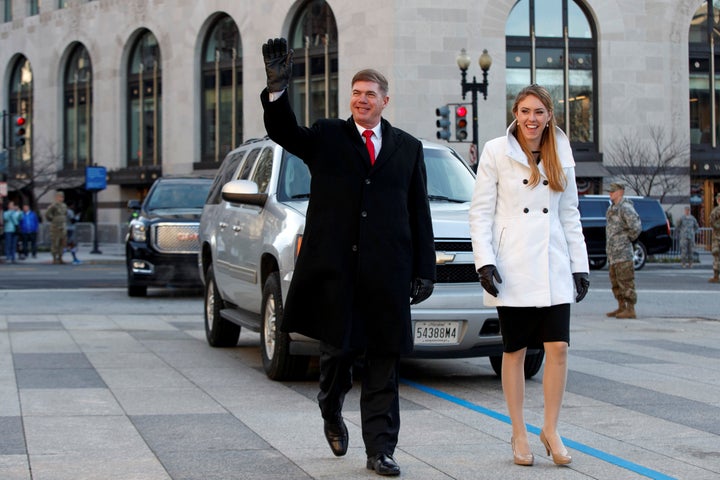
(716, 277)
(627, 312)
(621, 307)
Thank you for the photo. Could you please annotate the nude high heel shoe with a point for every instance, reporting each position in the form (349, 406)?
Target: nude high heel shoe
(525, 459)
(558, 458)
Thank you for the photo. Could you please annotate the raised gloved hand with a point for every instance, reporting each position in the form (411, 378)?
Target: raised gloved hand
(582, 283)
(487, 273)
(420, 290)
(278, 64)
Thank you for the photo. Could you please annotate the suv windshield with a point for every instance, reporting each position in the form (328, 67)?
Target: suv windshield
(178, 195)
(449, 179)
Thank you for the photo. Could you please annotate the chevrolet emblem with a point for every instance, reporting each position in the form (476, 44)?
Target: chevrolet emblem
(442, 258)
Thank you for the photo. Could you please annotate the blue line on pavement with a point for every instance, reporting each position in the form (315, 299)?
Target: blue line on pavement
(606, 457)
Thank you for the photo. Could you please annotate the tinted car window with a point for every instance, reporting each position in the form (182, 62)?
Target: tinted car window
(294, 183)
(224, 175)
(262, 173)
(593, 208)
(447, 177)
(248, 164)
(177, 195)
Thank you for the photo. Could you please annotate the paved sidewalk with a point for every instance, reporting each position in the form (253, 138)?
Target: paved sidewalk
(106, 253)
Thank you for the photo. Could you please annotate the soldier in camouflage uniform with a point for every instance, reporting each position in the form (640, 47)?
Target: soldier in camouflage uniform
(622, 228)
(56, 214)
(715, 249)
(687, 228)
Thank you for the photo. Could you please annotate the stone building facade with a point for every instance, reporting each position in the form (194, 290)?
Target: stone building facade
(131, 84)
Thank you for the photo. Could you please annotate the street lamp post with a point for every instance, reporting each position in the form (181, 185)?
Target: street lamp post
(463, 61)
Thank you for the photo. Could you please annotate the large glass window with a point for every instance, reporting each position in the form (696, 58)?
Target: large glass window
(78, 110)
(7, 10)
(20, 103)
(33, 7)
(704, 86)
(144, 91)
(313, 37)
(551, 42)
(221, 91)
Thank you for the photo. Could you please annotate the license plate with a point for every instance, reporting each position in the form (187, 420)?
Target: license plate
(436, 333)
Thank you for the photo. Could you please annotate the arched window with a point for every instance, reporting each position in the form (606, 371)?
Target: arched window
(221, 91)
(552, 43)
(20, 102)
(77, 106)
(313, 37)
(144, 93)
(704, 56)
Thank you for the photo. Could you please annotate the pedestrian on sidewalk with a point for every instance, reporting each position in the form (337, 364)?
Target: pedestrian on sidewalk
(56, 214)
(71, 242)
(28, 229)
(525, 228)
(622, 228)
(368, 204)
(715, 246)
(687, 228)
(11, 218)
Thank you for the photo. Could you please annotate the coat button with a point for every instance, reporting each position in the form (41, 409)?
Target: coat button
(545, 210)
(525, 181)
(526, 210)
(545, 182)
(363, 214)
(367, 181)
(354, 248)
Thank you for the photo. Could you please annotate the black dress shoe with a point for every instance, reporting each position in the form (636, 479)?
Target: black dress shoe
(337, 436)
(383, 464)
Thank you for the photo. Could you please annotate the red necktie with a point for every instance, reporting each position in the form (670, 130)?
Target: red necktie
(369, 144)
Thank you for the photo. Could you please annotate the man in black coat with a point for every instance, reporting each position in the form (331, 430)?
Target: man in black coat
(367, 250)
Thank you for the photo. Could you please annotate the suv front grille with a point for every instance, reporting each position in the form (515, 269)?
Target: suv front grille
(176, 237)
(460, 273)
(455, 272)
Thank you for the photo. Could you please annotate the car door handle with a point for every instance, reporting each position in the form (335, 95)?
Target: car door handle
(236, 228)
(222, 225)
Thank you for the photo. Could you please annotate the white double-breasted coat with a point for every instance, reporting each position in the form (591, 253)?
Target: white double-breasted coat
(532, 235)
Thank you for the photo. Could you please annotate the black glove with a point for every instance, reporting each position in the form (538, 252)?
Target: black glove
(420, 290)
(487, 273)
(278, 64)
(582, 283)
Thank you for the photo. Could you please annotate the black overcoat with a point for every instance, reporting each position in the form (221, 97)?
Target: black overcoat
(368, 232)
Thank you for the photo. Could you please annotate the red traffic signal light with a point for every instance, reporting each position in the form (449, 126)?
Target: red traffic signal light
(19, 131)
(461, 123)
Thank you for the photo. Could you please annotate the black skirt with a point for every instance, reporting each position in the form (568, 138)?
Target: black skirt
(530, 327)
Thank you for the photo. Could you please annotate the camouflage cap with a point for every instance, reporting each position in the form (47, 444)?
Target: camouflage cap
(615, 187)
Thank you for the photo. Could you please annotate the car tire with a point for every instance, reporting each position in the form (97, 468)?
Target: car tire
(218, 331)
(136, 290)
(597, 263)
(533, 362)
(639, 255)
(278, 363)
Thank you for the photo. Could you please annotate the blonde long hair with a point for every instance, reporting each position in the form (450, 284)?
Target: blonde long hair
(548, 142)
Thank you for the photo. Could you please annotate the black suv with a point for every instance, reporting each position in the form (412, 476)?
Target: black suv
(161, 243)
(654, 238)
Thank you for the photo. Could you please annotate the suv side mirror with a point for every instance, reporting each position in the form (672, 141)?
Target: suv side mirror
(243, 191)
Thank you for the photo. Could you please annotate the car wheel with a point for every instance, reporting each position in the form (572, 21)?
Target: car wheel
(639, 255)
(597, 263)
(218, 331)
(274, 344)
(533, 362)
(136, 290)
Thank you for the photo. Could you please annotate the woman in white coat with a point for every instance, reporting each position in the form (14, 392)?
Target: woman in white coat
(530, 254)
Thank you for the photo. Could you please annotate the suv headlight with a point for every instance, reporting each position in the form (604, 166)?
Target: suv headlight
(138, 231)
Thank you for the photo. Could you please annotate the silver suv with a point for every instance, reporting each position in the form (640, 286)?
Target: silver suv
(251, 229)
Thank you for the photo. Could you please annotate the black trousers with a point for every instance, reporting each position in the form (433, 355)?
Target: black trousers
(379, 397)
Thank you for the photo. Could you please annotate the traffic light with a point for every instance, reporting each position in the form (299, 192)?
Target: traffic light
(443, 123)
(19, 131)
(461, 123)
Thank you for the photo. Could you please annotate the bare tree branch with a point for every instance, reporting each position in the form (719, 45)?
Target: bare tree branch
(652, 163)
